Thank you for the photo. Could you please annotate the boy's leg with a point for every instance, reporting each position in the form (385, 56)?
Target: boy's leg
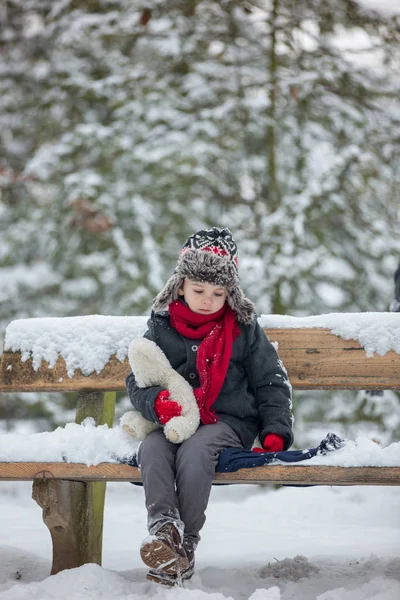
(156, 459)
(196, 460)
(163, 550)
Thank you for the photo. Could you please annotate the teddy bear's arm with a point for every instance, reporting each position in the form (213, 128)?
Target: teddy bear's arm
(143, 399)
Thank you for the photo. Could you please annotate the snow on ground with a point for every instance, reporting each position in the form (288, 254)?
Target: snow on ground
(258, 543)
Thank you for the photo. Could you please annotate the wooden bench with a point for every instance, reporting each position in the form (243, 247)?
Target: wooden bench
(72, 495)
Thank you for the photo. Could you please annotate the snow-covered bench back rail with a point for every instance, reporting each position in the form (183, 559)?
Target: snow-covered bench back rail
(89, 355)
(351, 350)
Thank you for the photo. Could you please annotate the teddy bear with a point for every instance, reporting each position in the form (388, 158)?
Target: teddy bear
(151, 367)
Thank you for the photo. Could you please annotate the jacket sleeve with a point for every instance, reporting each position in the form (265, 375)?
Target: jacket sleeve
(272, 387)
(143, 399)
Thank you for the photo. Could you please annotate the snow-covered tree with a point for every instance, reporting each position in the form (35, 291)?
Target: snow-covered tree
(128, 127)
(125, 127)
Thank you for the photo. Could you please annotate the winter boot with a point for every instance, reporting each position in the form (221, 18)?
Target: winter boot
(164, 551)
(189, 549)
(159, 576)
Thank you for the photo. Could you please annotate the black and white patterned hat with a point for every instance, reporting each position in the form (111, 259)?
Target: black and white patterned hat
(211, 256)
(216, 240)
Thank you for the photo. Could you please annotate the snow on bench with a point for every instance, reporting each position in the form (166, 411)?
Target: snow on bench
(88, 353)
(92, 444)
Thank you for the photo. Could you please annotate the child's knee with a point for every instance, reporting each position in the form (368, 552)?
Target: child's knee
(194, 452)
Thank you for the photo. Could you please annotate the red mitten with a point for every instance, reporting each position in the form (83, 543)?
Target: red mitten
(272, 443)
(165, 408)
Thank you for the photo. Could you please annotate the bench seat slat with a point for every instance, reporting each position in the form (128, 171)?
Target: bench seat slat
(315, 358)
(272, 474)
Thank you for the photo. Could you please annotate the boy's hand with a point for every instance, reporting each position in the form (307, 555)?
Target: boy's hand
(165, 408)
(272, 443)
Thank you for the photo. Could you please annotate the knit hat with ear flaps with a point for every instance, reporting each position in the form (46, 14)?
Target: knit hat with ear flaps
(210, 256)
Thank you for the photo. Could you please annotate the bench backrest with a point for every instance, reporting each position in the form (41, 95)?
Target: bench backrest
(315, 358)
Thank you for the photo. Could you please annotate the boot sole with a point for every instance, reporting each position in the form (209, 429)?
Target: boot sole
(158, 555)
(169, 580)
(161, 579)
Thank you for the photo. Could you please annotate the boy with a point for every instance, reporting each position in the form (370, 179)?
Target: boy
(208, 330)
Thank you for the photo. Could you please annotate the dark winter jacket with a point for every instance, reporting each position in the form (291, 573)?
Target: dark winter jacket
(255, 398)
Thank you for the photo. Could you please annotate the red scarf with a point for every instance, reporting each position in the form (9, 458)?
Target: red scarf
(218, 332)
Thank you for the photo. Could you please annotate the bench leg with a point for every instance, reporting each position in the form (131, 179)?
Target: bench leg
(67, 513)
(73, 510)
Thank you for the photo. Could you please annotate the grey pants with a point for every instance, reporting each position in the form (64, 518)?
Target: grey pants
(177, 478)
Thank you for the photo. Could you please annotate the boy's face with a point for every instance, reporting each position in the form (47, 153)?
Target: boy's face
(203, 298)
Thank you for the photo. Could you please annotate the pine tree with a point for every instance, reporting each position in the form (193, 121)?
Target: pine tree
(130, 128)
(125, 127)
